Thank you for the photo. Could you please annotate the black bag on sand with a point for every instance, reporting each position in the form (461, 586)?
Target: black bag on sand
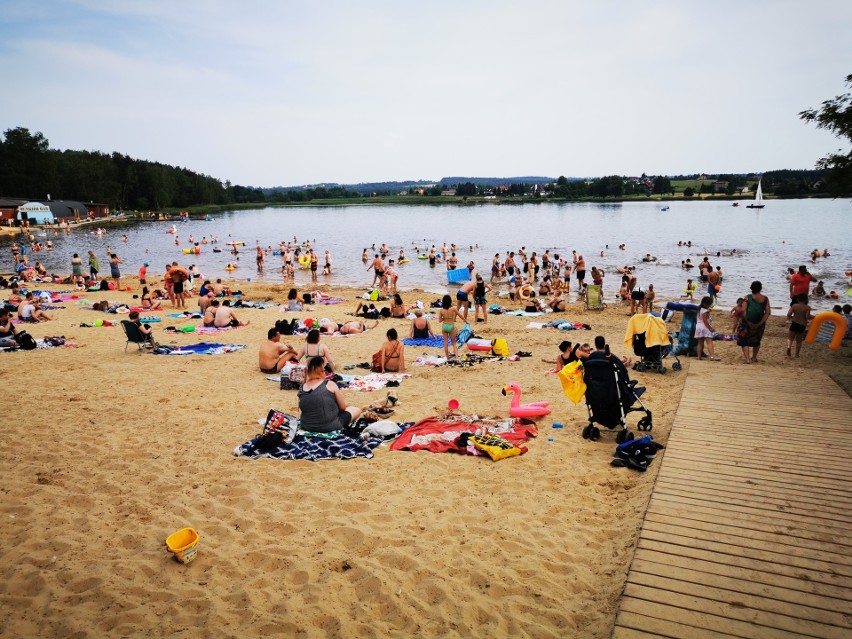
(25, 341)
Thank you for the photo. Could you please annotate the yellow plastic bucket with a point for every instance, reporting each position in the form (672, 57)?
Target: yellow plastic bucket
(183, 544)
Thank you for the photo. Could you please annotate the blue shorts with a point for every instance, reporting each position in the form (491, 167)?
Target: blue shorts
(461, 296)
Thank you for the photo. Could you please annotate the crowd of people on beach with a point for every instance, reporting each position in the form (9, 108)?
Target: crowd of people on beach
(530, 280)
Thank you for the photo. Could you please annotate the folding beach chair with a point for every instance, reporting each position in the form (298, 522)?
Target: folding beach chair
(594, 298)
(134, 335)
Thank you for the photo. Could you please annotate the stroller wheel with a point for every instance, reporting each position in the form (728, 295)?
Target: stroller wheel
(587, 431)
(676, 366)
(639, 366)
(663, 370)
(595, 434)
(628, 437)
(645, 423)
(619, 439)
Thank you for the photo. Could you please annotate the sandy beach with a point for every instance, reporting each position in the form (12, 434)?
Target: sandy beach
(105, 453)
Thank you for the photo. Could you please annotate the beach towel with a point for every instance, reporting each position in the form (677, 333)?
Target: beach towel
(431, 342)
(525, 313)
(332, 300)
(571, 378)
(375, 381)
(201, 348)
(439, 434)
(313, 448)
(185, 315)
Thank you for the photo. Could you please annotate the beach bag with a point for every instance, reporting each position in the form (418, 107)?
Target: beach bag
(280, 422)
(499, 347)
(25, 341)
(297, 375)
(376, 365)
(754, 310)
(284, 327)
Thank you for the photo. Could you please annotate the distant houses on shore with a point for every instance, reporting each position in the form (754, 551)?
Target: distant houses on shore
(18, 212)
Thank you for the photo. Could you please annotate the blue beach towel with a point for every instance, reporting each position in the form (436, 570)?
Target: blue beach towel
(314, 448)
(432, 342)
(202, 348)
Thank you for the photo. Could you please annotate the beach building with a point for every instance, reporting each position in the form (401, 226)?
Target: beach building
(9, 209)
(58, 211)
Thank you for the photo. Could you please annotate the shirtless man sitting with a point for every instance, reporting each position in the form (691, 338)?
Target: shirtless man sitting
(273, 354)
(225, 317)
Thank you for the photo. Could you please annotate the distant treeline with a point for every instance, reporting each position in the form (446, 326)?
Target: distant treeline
(30, 169)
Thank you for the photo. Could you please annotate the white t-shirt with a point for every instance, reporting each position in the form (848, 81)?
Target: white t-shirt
(27, 311)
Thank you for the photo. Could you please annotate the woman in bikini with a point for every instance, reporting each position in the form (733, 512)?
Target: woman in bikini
(148, 302)
(393, 354)
(448, 315)
(398, 309)
(314, 349)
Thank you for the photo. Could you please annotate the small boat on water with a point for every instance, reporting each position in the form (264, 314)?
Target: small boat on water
(665, 208)
(758, 197)
(735, 204)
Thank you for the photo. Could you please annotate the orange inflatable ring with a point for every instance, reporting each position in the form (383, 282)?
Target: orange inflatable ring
(526, 291)
(839, 328)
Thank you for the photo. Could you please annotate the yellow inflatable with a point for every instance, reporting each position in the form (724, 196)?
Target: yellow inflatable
(403, 261)
(839, 328)
(187, 251)
(304, 261)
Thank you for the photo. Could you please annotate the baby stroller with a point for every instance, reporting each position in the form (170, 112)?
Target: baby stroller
(610, 395)
(649, 337)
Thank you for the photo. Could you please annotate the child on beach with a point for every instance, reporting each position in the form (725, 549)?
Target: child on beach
(562, 359)
(799, 314)
(690, 289)
(447, 315)
(704, 329)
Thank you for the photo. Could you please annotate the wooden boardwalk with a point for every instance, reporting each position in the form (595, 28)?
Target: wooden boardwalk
(748, 532)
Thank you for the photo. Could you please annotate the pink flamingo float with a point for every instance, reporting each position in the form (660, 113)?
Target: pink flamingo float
(534, 409)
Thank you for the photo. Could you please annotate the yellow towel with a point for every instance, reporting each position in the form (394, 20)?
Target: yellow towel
(654, 328)
(571, 378)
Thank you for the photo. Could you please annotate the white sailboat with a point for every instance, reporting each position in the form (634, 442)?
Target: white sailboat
(758, 197)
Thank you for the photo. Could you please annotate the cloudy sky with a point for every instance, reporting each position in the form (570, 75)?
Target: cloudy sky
(288, 92)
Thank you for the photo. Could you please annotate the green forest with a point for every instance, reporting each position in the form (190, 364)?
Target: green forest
(30, 169)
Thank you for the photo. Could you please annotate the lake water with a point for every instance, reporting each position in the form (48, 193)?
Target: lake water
(767, 241)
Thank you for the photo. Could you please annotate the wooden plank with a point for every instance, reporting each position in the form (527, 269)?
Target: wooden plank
(783, 615)
(757, 509)
(649, 626)
(716, 572)
(728, 614)
(747, 482)
(753, 485)
(756, 532)
(728, 562)
(752, 539)
(754, 471)
(765, 503)
(695, 621)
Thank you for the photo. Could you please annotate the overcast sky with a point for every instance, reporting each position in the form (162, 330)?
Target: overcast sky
(280, 92)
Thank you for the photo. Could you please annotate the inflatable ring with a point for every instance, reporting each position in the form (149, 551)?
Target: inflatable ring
(187, 251)
(403, 261)
(839, 328)
(525, 291)
(229, 268)
(304, 261)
